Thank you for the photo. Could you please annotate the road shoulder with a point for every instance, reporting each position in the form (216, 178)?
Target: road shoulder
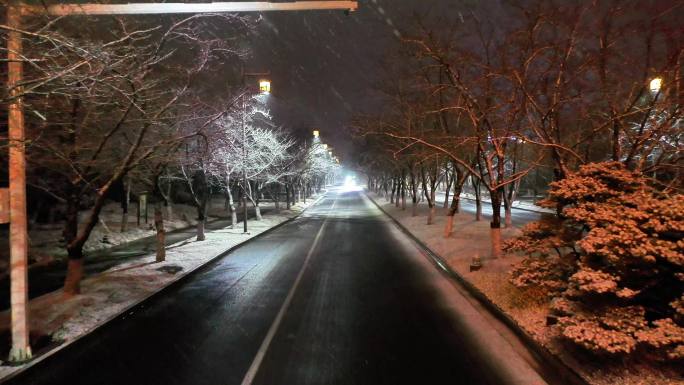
(122, 289)
(514, 336)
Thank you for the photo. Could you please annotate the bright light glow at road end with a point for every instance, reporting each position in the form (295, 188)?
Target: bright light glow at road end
(350, 184)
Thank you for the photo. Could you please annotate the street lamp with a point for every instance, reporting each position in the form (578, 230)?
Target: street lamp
(316, 134)
(265, 86)
(264, 89)
(655, 85)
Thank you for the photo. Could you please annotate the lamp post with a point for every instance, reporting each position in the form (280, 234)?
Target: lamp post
(264, 89)
(21, 349)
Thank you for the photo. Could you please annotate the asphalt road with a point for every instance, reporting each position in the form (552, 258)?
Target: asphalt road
(334, 297)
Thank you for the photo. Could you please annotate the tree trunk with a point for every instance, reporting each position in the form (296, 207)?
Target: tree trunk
(231, 207)
(414, 195)
(200, 230)
(456, 199)
(385, 187)
(403, 196)
(394, 188)
(72, 283)
(495, 224)
(124, 206)
(257, 209)
(276, 201)
(288, 203)
(448, 182)
(449, 227)
(167, 202)
(201, 219)
(169, 210)
(161, 234)
(433, 206)
(453, 209)
(508, 221)
(478, 200)
(429, 195)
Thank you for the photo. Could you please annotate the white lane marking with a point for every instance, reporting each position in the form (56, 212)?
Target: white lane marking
(256, 363)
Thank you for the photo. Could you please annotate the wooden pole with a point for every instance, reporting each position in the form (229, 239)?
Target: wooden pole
(21, 350)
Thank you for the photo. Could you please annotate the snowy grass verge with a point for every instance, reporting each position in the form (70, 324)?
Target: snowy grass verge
(107, 295)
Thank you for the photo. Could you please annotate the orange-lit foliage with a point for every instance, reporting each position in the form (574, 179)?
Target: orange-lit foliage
(613, 264)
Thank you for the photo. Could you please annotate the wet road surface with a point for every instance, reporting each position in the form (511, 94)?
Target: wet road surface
(332, 297)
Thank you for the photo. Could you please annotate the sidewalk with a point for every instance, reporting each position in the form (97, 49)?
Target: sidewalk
(525, 310)
(120, 289)
(123, 247)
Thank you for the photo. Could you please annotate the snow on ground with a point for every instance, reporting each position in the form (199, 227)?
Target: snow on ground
(106, 295)
(470, 238)
(518, 204)
(45, 239)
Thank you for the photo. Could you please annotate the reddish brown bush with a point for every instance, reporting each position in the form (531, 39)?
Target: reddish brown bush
(613, 264)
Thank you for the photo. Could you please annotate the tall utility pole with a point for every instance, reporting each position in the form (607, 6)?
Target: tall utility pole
(21, 349)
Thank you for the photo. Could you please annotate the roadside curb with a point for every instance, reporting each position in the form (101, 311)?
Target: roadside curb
(566, 373)
(146, 300)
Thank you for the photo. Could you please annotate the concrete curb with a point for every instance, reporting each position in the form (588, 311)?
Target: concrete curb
(566, 374)
(145, 301)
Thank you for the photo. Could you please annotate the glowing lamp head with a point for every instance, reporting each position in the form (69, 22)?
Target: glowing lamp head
(325, 146)
(265, 86)
(655, 85)
(316, 134)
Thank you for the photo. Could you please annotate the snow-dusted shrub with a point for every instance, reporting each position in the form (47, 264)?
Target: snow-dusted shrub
(613, 263)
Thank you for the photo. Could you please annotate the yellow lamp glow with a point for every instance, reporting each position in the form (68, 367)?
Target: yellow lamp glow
(316, 134)
(655, 85)
(265, 86)
(325, 146)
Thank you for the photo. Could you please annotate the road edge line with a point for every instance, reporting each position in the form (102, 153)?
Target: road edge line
(540, 352)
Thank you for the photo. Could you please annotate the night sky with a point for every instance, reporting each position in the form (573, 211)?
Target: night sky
(326, 65)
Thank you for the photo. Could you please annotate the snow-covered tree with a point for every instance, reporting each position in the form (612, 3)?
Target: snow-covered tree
(99, 99)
